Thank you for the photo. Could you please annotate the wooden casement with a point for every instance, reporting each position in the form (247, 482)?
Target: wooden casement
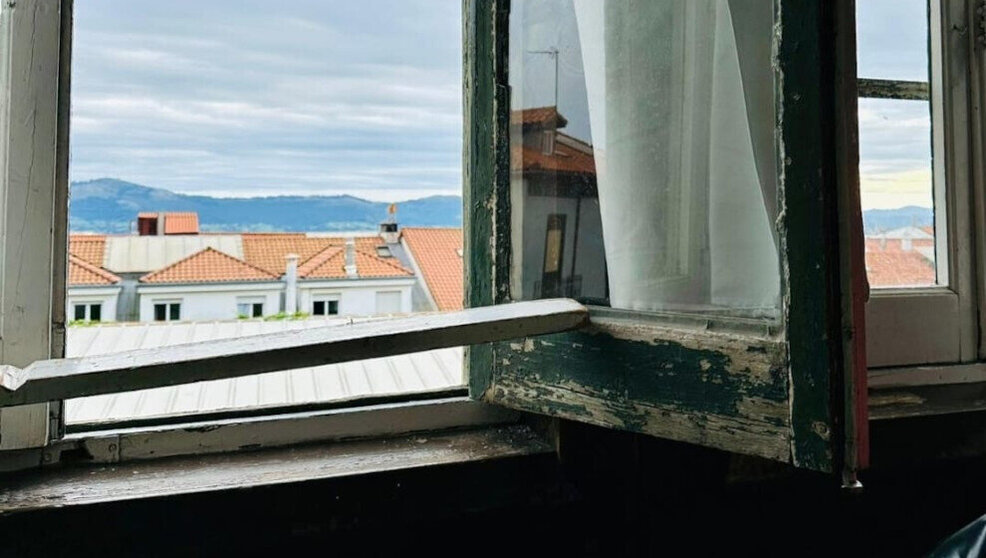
(789, 393)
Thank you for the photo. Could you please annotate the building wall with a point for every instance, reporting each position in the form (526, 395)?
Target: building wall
(356, 297)
(107, 296)
(209, 302)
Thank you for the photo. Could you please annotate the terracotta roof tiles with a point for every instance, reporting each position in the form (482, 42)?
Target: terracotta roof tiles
(438, 254)
(83, 273)
(181, 223)
(89, 247)
(209, 266)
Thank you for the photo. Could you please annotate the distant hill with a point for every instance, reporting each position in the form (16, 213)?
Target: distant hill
(876, 220)
(108, 205)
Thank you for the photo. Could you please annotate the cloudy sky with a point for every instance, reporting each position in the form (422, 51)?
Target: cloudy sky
(246, 98)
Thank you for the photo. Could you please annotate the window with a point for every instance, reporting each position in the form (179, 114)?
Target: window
(691, 338)
(249, 309)
(674, 140)
(90, 312)
(167, 311)
(389, 302)
(325, 306)
(914, 184)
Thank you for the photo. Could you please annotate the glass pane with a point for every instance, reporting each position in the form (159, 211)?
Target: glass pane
(95, 312)
(897, 192)
(644, 181)
(257, 162)
(79, 312)
(892, 37)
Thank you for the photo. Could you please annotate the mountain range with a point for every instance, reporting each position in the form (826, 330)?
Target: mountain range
(108, 205)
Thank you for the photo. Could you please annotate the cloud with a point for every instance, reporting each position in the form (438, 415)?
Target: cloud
(231, 96)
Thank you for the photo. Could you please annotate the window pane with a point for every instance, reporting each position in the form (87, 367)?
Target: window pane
(79, 313)
(897, 192)
(892, 37)
(657, 189)
(245, 161)
(95, 312)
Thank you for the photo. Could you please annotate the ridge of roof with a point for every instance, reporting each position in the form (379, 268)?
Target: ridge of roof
(155, 276)
(106, 276)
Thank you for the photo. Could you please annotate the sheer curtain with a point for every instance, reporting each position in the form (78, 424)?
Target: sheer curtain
(681, 110)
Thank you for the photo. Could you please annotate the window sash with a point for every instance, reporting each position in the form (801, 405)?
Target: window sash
(935, 325)
(55, 379)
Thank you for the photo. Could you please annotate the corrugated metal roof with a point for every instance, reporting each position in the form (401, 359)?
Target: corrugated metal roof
(403, 374)
(141, 254)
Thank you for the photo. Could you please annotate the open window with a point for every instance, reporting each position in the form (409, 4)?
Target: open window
(678, 168)
(691, 199)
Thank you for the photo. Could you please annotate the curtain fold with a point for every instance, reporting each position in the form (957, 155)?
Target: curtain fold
(680, 98)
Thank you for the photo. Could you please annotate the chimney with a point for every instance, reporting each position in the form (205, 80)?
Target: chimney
(160, 223)
(905, 244)
(351, 258)
(291, 284)
(388, 229)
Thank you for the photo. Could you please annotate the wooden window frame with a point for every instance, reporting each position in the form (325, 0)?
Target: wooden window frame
(936, 325)
(805, 378)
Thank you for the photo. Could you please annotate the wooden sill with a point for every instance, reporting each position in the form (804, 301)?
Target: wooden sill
(97, 484)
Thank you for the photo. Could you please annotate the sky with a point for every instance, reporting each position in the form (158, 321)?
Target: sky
(248, 98)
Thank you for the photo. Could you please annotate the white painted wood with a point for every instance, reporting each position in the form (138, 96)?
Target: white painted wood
(889, 378)
(30, 35)
(50, 380)
(925, 326)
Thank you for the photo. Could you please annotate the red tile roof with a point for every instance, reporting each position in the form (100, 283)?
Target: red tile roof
(437, 253)
(319, 257)
(540, 116)
(181, 223)
(82, 273)
(889, 265)
(564, 159)
(89, 247)
(209, 266)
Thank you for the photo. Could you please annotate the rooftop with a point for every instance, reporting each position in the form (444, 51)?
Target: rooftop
(428, 371)
(83, 273)
(209, 266)
(438, 255)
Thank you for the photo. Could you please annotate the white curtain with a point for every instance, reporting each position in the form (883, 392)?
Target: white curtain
(681, 110)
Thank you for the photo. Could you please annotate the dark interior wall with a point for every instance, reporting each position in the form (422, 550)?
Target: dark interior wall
(612, 494)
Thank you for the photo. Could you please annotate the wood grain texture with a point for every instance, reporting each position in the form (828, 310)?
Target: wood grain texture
(30, 35)
(81, 486)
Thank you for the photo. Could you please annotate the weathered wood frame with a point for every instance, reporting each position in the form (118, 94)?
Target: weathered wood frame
(738, 385)
(34, 110)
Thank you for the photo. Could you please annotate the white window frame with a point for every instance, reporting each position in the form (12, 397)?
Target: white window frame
(34, 120)
(938, 325)
(87, 304)
(327, 298)
(167, 303)
(250, 301)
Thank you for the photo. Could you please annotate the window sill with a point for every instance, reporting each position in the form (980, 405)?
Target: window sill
(97, 484)
(896, 393)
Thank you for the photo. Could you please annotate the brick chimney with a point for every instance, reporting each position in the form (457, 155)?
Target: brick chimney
(388, 229)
